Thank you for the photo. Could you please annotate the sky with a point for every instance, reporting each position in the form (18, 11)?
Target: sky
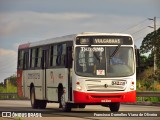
(23, 21)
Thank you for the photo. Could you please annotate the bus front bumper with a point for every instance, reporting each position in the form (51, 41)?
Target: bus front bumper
(82, 97)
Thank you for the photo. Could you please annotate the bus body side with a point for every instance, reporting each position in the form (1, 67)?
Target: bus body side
(48, 81)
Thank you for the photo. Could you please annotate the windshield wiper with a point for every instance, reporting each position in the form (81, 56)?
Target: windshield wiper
(96, 56)
(115, 51)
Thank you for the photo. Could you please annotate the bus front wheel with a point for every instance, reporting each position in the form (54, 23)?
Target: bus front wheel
(114, 107)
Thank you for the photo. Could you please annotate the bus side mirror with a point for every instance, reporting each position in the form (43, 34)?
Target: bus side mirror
(69, 57)
(137, 57)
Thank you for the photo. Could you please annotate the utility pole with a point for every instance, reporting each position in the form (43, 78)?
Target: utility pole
(154, 19)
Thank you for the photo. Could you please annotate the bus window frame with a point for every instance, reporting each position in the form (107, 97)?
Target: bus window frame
(19, 66)
(29, 50)
(68, 44)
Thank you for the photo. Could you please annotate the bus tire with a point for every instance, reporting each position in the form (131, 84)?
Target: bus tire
(114, 107)
(34, 102)
(42, 104)
(66, 107)
(82, 106)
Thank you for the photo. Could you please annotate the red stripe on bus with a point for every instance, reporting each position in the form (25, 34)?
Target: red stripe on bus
(82, 97)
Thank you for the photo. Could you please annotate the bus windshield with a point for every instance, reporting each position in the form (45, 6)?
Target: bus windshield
(104, 61)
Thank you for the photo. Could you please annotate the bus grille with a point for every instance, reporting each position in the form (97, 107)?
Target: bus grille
(117, 96)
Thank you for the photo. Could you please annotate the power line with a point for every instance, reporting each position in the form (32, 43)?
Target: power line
(134, 25)
(138, 38)
(139, 30)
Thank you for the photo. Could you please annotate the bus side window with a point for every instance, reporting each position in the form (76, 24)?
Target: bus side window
(63, 56)
(32, 63)
(38, 57)
(58, 55)
(54, 55)
(26, 60)
(51, 55)
(20, 59)
(59, 51)
(69, 58)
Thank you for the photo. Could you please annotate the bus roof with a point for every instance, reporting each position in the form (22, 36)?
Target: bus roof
(48, 41)
(102, 34)
(67, 38)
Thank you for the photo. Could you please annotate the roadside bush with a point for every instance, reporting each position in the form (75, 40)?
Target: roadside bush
(10, 89)
(145, 80)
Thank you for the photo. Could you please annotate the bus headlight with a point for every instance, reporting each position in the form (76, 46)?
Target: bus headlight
(132, 86)
(78, 87)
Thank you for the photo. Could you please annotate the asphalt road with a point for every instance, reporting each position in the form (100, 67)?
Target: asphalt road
(93, 112)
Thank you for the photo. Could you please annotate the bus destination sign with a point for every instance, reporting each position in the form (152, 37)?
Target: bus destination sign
(104, 40)
(107, 41)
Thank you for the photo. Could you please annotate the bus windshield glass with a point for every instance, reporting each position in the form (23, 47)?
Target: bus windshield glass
(104, 61)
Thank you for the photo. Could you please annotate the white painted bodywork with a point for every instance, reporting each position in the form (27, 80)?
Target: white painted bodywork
(60, 77)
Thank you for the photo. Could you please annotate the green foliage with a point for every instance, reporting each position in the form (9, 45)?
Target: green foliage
(18, 118)
(1, 88)
(150, 59)
(146, 73)
(147, 79)
(145, 63)
(157, 75)
(148, 84)
(147, 43)
(10, 88)
(10, 85)
(151, 99)
(152, 40)
(143, 59)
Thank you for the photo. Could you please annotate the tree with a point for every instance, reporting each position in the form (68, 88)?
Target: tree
(143, 59)
(149, 42)
(150, 60)
(145, 63)
(1, 84)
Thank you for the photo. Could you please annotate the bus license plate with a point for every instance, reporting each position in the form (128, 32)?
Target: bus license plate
(105, 100)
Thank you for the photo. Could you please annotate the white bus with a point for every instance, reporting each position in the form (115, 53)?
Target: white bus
(78, 70)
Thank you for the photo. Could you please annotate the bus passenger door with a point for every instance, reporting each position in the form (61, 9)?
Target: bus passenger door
(69, 66)
(44, 67)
